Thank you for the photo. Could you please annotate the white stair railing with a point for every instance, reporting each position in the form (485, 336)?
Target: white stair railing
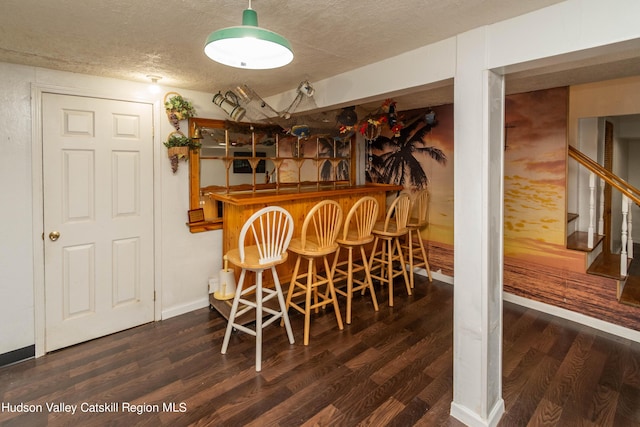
(623, 250)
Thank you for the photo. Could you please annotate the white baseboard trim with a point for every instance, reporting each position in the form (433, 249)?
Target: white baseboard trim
(469, 418)
(436, 275)
(601, 325)
(185, 308)
(563, 313)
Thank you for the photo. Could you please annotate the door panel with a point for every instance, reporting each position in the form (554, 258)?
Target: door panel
(98, 197)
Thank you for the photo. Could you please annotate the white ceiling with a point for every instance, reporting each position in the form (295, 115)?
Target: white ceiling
(130, 39)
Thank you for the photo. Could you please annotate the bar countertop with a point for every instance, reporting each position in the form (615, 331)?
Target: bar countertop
(247, 198)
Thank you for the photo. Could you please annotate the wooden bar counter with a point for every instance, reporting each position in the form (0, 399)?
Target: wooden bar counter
(239, 206)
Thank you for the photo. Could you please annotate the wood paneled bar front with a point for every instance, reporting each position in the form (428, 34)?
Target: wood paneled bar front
(239, 206)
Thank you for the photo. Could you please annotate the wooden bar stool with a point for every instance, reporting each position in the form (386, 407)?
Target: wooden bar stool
(270, 229)
(317, 240)
(356, 234)
(418, 219)
(388, 233)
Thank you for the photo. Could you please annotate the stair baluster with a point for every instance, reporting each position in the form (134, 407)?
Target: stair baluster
(630, 231)
(601, 213)
(592, 207)
(623, 250)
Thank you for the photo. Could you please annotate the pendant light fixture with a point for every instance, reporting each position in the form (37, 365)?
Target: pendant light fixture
(248, 46)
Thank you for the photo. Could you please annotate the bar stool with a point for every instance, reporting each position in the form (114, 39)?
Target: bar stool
(355, 235)
(270, 229)
(317, 240)
(388, 233)
(419, 218)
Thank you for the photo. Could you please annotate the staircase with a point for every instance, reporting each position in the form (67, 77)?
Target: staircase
(600, 259)
(606, 264)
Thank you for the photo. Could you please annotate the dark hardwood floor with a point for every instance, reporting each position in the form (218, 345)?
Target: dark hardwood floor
(392, 368)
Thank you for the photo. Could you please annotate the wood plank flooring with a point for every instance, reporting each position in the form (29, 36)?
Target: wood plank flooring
(393, 367)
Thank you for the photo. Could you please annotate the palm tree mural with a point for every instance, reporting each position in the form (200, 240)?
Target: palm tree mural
(399, 162)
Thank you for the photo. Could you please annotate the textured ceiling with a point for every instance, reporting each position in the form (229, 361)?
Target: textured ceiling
(130, 39)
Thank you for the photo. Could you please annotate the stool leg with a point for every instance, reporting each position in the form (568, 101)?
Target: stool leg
(232, 315)
(292, 285)
(368, 279)
(334, 265)
(334, 268)
(404, 270)
(424, 256)
(389, 262)
(307, 310)
(283, 306)
(333, 293)
(373, 255)
(349, 285)
(258, 321)
(410, 255)
(314, 279)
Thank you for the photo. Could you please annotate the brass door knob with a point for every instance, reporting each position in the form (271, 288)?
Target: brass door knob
(54, 235)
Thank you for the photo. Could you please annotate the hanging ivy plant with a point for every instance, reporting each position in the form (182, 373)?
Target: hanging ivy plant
(179, 140)
(178, 109)
(178, 147)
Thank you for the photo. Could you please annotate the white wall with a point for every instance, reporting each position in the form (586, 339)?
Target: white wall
(185, 260)
(16, 252)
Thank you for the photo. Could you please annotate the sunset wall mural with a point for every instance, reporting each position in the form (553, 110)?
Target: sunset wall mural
(439, 173)
(537, 264)
(534, 177)
(535, 164)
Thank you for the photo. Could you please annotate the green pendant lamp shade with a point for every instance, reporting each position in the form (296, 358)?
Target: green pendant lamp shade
(248, 46)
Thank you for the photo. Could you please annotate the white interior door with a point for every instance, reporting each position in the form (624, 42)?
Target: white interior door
(98, 217)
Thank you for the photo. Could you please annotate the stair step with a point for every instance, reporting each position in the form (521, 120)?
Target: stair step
(606, 265)
(571, 217)
(578, 241)
(631, 291)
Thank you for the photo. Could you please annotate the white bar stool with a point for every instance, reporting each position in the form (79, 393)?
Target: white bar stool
(270, 230)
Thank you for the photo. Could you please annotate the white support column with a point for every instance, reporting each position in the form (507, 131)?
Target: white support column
(478, 240)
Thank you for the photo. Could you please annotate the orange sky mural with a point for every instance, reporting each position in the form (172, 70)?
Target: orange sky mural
(534, 178)
(440, 178)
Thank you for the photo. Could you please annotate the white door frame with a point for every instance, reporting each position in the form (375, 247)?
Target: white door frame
(38, 203)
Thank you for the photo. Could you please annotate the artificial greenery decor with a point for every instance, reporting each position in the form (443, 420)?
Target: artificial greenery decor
(179, 140)
(179, 146)
(178, 109)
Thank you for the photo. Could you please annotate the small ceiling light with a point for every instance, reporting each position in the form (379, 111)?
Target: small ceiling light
(154, 87)
(248, 46)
